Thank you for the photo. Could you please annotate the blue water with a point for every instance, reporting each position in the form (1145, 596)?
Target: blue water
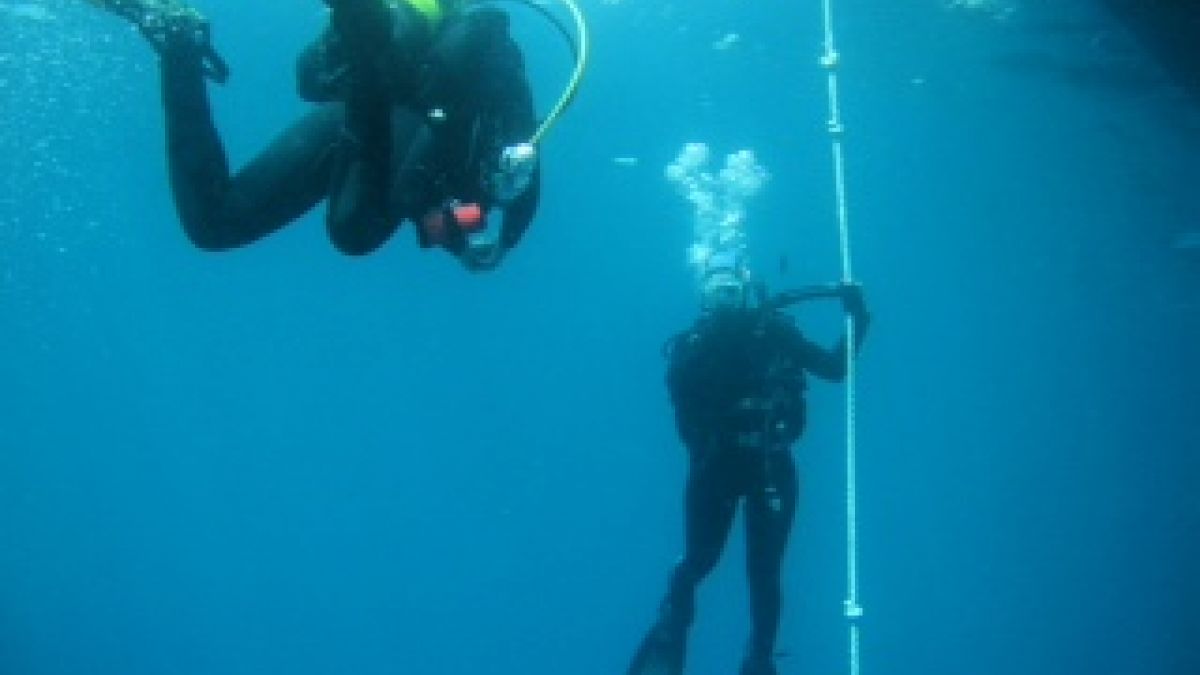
(282, 460)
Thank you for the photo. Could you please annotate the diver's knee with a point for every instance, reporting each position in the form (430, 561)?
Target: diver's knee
(356, 235)
(359, 231)
(354, 244)
(353, 247)
(209, 238)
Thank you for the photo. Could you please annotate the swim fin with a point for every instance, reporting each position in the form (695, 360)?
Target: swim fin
(661, 653)
(763, 665)
(169, 25)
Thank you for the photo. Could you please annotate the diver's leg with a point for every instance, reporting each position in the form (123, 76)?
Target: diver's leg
(770, 510)
(362, 214)
(710, 501)
(412, 186)
(382, 177)
(709, 507)
(286, 179)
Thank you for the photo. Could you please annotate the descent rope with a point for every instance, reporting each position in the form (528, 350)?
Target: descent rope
(852, 610)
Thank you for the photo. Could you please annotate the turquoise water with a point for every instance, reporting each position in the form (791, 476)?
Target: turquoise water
(280, 459)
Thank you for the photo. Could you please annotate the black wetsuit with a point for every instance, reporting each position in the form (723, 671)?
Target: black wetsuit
(737, 381)
(405, 120)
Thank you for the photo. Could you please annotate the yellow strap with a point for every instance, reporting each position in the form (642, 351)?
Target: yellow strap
(430, 9)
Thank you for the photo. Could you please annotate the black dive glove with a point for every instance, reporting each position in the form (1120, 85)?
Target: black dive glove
(853, 302)
(363, 26)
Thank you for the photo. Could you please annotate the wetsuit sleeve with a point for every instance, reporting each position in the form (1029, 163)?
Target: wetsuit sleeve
(827, 364)
(684, 407)
(687, 392)
(519, 214)
(367, 43)
(506, 112)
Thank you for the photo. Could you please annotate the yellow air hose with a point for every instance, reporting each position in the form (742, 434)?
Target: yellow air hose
(581, 61)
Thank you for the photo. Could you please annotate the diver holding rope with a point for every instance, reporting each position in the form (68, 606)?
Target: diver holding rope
(736, 379)
(422, 112)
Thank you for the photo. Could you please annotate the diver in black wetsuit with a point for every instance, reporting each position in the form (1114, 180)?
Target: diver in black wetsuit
(737, 380)
(422, 110)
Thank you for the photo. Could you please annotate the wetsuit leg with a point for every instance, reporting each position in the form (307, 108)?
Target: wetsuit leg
(381, 178)
(219, 211)
(710, 501)
(357, 220)
(378, 140)
(770, 510)
(413, 186)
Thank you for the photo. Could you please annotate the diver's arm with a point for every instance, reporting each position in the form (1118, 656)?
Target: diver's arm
(519, 213)
(514, 220)
(510, 120)
(524, 182)
(509, 165)
(830, 364)
(686, 401)
(486, 254)
(500, 84)
(367, 44)
(827, 364)
(369, 27)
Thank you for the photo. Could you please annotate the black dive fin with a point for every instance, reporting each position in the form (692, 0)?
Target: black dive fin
(658, 655)
(760, 666)
(162, 21)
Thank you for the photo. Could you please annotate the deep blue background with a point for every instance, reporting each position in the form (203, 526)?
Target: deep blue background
(283, 460)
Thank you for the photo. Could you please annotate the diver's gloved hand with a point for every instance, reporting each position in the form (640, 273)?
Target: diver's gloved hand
(513, 172)
(463, 229)
(481, 255)
(448, 224)
(364, 26)
(483, 250)
(853, 302)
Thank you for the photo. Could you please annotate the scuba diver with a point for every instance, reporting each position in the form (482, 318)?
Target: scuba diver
(423, 113)
(736, 379)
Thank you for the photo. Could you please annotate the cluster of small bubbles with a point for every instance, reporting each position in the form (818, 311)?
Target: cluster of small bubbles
(718, 200)
(995, 9)
(63, 82)
(1188, 241)
(27, 11)
(726, 42)
(68, 75)
(742, 175)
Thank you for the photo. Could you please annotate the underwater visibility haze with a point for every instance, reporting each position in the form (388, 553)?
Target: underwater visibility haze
(283, 459)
